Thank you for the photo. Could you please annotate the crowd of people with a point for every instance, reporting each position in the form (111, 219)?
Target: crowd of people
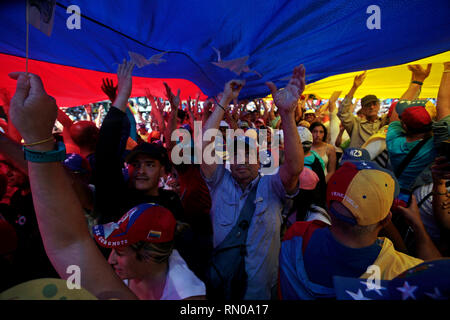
(277, 199)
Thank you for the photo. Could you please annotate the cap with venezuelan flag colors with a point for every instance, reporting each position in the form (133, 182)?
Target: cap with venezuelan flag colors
(365, 189)
(145, 222)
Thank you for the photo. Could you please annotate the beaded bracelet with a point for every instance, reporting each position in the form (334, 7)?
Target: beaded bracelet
(38, 142)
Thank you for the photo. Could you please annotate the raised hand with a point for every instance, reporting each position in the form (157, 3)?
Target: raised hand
(286, 98)
(149, 95)
(33, 112)
(124, 78)
(412, 213)
(189, 106)
(232, 89)
(173, 99)
(419, 73)
(359, 79)
(109, 89)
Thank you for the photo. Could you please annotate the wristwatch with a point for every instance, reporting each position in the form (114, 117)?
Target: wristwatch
(57, 155)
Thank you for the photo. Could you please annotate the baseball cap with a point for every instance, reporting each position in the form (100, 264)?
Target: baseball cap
(243, 124)
(355, 154)
(145, 222)
(260, 120)
(365, 189)
(154, 150)
(305, 135)
(427, 280)
(308, 179)
(310, 111)
(368, 99)
(413, 113)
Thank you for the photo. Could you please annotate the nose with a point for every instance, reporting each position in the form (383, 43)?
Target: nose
(139, 168)
(112, 257)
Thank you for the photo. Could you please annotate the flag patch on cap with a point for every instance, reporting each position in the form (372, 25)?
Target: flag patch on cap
(154, 234)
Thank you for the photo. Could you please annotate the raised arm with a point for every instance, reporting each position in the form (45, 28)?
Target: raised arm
(124, 79)
(172, 123)
(334, 120)
(67, 123)
(191, 112)
(286, 102)
(230, 92)
(418, 76)
(345, 114)
(34, 112)
(98, 119)
(441, 198)
(110, 184)
(443, 99)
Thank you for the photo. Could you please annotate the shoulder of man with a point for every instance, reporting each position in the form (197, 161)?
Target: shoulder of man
(303, 229)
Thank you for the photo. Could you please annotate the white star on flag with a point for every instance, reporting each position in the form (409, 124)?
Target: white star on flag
(140, 61)
(436, 295)
(238, 65)
(407, 291)
(357, 296)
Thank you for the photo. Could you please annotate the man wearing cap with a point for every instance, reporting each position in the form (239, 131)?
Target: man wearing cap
(63, 227)
(360, 129)
(147, 163)
(310, 116)
(229, 190)
(416, 125)
(143, 255)
(359, 197)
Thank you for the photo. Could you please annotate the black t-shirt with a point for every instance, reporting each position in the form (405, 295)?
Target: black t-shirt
(29, 261)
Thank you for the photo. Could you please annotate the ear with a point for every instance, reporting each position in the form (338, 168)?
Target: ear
(404, 126)
(386, 220)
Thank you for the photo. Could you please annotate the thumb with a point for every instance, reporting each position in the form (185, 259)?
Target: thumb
(272, 87)
(413, 201)
(22, 86)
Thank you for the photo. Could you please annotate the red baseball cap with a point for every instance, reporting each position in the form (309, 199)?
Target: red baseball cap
(145, 222)
(413, 113)
(416, 117)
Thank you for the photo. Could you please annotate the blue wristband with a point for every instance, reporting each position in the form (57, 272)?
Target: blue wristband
(48, 156)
